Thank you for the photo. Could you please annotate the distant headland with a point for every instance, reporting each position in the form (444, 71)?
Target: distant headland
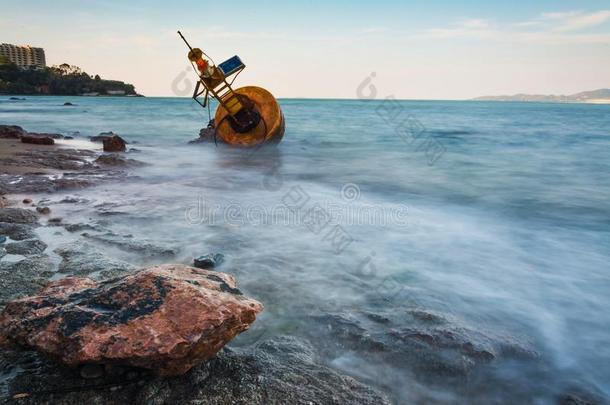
(601, 96)
(62, 80)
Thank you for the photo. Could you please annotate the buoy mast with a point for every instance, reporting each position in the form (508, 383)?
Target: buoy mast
(213, 79)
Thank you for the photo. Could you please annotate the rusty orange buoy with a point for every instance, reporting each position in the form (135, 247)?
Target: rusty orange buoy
(246, 117)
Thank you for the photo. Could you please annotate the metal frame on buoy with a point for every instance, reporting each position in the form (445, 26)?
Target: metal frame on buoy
(242, 116)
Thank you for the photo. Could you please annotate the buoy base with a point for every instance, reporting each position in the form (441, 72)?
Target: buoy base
(269, 129)
(245, 120)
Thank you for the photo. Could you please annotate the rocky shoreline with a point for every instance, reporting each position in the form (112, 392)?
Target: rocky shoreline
(420, 347)
(281, 369)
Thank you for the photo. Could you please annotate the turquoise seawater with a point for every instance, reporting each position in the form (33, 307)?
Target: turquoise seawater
(494, 216)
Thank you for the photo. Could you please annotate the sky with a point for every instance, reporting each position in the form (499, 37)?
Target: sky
(328, 49)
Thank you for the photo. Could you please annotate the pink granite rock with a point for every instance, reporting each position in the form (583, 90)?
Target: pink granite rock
(166, 318)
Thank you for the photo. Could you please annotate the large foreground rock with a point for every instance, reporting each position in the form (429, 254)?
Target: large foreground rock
(281, 370)
(166, 318)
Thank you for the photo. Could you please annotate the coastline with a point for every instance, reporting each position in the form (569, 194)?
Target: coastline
(595, 102)
(36, 184)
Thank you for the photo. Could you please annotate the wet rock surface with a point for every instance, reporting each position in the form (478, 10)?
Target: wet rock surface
(42, 183)
(83, 259)
(43, 210)
(432, 344)
(26, 247)
(24, 277)
(114, 143)
(209, 261)
(11, 132)
(101, 136)
(130, 245)
(17, 132)
(18, 216)
(36, 170)
(282, 370)
(117, 160)
(166, 319)
(17, 231)
(37, 139)
(207, 134)
(53, 158)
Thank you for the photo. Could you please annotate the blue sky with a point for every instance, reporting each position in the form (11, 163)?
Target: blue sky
(422, 50)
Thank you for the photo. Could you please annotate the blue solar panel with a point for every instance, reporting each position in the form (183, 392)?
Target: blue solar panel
(231, 65)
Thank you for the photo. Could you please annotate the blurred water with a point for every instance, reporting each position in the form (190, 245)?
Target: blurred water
(508, 230)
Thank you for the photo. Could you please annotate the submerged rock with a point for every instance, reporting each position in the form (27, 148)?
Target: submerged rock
(579, 399)
(130, 245)
(114, 144)
(2, 239)
(282, 370)
(43, 210)
(116, 160)
(79, 227)
(166, 319)
(26, 247)
(82, 259)
(209, 261)
(18, 216)
(431, 344)
(73, 200)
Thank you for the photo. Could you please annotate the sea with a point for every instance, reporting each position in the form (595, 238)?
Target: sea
(439, 251)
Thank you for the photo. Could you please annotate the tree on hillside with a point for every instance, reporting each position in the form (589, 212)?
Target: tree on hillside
(64, 79)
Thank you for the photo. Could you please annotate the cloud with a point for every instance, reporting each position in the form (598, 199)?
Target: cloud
(470, 28)
(582, 21)
(560, 15)
(566, 21)
(475, 23)
(374, 30)
(551, 28)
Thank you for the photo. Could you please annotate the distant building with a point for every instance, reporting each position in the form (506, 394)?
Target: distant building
(23, 56)
(115, 92)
